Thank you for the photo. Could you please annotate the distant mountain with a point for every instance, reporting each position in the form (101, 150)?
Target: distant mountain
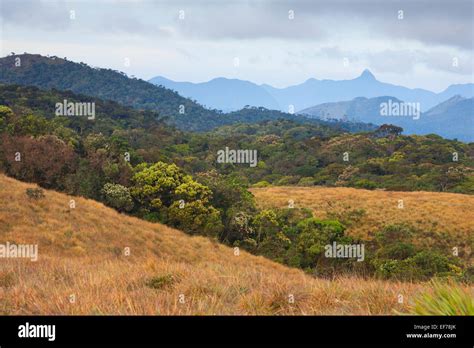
(453, 118)
(56, 73)
(464, 90)
(359, 108)
(221, 93)
(301, 96)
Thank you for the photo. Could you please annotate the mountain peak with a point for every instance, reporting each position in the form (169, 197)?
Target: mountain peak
(367, 75)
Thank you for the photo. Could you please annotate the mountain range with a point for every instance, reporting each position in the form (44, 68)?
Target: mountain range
(449, 113)
(232, 94)
(453, 118)
(57, 73)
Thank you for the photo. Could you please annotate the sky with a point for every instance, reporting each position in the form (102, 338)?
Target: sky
(414, 43)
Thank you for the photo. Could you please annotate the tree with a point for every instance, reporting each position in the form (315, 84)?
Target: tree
(157, 183)
(314, 235)
(5, 114)
(46, 160)
(388, 130)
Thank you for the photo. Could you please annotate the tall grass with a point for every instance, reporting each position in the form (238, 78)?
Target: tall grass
(444, 299)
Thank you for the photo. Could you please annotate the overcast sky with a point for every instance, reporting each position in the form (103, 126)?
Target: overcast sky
(429, 44)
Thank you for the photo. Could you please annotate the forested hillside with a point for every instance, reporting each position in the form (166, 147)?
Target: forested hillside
(186, 114)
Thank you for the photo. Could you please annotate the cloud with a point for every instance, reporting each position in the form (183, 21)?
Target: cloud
(36, 14)
(433, 22)
(273, 48)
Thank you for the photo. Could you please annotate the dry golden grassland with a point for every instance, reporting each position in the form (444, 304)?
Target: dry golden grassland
(82, 253)
(450, 213)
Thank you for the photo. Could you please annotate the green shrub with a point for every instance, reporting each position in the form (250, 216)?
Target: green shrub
(430, 263)
(394, 234)
(306, 181)
(195, 218)
(365, 184)
(262, 183)
(396, 251)
(118, 197)
(424, 265)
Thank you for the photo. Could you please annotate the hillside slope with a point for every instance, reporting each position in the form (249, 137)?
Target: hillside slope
(81, 254)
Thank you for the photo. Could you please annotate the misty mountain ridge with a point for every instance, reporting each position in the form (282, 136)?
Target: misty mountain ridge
(52, 72)
(453, 118)
(238, 93)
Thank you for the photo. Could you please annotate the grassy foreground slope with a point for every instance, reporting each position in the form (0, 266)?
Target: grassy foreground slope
(81, 254)
(368, 211)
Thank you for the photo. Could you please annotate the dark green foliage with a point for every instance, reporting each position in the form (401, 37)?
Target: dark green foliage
(398, 258)
(396, 162)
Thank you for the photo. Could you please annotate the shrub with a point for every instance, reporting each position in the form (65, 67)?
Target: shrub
(314, 235)
(161, 282)
(239, 227)
(196, 218)
(35, 193)
(306, 181)
(365, 184)
(262, 183)
(430, 263)
(396, 251)
(394, 233)
(118, 197)
(422, 266)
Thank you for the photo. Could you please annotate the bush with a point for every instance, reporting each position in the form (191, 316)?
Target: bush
(365, 184)
(262, 183)
(394, 234)
(161, 282)
(306, 181)
(422, 266)
(196, 218)
(396, 251)
(118, 197)
(35, 193)
(314, 235)
(430, 263)
(239, 227)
